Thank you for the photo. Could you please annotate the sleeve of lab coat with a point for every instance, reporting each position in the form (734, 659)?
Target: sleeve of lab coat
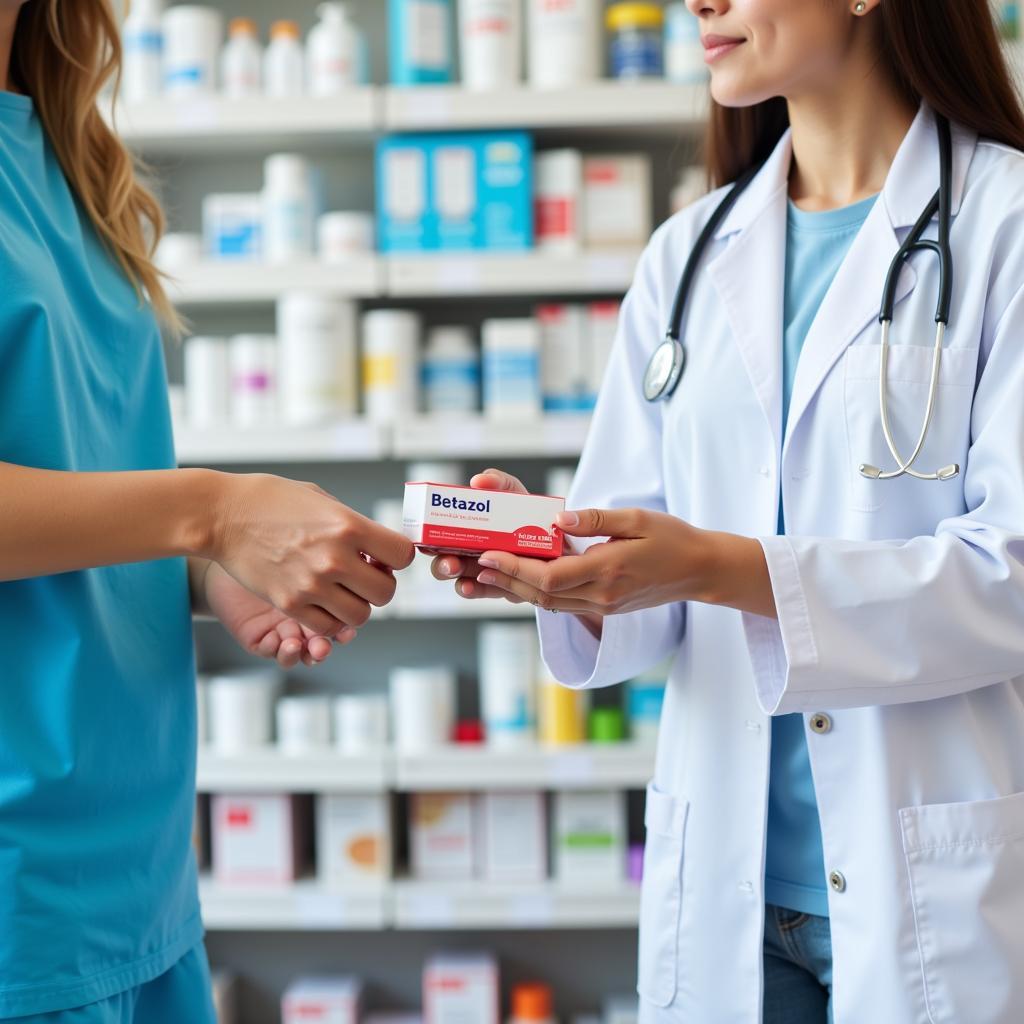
(865, 623)
(621, 467)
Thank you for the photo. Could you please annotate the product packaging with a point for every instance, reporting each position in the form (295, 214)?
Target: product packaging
(563, 713)
(343, 235)
(512, 369)
(253, 359)
(637, 43)
(616, 200)
(589, 837)
(240, 706)
(284, 70)
(602, 329)
(241, 62)
(421, 41)
(303, 725)
(391, 343)
(490, 43)
(532, 1004)
(361, 721)
(564, 42)
(558, 200)
(459, 519)
(441, 836)
(207, 382)
(259, 840)
(288, 208)
(192, 37)
(142, 40)
(451, 372)
(460, 989)
(324, 1000)
(511, 833)
(508, 658)
(332, 51)
(684, 53)
(566, 357)
(422, 707)
(455, 192)
(353, 838)
(233, 226)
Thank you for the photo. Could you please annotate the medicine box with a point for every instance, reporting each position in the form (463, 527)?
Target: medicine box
(233, 226)
(589, 836)
(512, 837)
(455, 192)
(447, 518)
(460, 990)
(353, 837)
(441, 835)
(324, 1000)
(616, 200)
(258, 840)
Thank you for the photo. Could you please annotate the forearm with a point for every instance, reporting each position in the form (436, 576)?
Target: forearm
(736, 575)
(55, 522)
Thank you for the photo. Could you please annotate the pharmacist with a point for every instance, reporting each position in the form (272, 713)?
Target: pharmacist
(106, 550)
(835, 830)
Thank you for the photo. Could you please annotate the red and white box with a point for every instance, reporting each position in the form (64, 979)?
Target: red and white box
(460, 519)
(457, 989)
(322, 1000)
(258, 840)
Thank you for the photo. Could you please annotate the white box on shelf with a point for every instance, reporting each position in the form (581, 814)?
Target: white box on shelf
(512, 837)
(589, 836)
(325, 1000)
(353, 837)
(441, 835)
(233, 226)
(257, 840)
(616, 200)
(460, 989)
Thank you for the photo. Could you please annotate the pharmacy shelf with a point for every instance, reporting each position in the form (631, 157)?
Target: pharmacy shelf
(271, 772)
(343, 441)
(552, 436)
(230, 283)
(613, 107)
(443, 275)
(205, 124)
(305, 906)
(477, 768)
(457, 905)
(448, 605)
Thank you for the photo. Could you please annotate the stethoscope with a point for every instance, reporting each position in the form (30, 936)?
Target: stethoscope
(665, 369)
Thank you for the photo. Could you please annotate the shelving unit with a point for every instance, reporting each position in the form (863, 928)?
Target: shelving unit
(271, 772)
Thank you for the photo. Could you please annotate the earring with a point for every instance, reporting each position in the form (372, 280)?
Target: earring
(860, 7)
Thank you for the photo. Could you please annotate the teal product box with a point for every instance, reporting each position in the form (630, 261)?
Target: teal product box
(452, 192)
(421, 41)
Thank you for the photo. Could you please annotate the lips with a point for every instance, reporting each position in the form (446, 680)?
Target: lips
(716, 46)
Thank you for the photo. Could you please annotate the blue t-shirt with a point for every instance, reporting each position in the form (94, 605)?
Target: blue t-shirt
(97, 694)
(816, 244)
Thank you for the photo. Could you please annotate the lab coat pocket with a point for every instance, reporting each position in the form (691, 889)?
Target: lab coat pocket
(965, 863)
(661, 900)
(908, 382)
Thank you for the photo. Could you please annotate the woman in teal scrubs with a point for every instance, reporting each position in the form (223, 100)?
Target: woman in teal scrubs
(106, 551)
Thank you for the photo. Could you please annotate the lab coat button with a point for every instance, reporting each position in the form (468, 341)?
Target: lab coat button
(821, 723)
(838, 882)
(747, 888)
(764, 471)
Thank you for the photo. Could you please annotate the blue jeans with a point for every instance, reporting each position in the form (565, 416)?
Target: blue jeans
(797, 968)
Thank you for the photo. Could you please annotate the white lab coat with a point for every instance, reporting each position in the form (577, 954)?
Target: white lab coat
(900, 603)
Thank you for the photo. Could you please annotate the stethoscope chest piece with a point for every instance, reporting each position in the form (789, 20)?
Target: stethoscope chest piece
(665, 370)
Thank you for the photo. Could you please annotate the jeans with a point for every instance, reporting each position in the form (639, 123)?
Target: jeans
(797, 968)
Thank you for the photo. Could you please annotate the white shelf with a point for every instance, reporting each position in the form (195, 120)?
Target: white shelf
(227, 282)
(448, 605)
(613, 107)
(270, 771)
(442, 275)
(445, 905)
(552, 436)
(476, 768)
(200, 124)
(305, 906)
(343, 441)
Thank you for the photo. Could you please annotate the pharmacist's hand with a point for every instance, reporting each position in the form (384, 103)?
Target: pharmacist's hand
(304, 552)
(649, 559)
(259, 628)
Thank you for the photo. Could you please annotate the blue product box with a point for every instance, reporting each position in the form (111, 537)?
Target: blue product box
(455, 192)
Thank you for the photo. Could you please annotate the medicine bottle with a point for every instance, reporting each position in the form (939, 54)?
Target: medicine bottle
(284, 64)
(332, 51)
(288, 217)
(531, 1004)
(143, 43)
(636, 40)
(451, 371)
(241, 62)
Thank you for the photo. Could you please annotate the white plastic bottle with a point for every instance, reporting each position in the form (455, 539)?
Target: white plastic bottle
(511, 369)
(451, 372)
(490, 43)
(508, 662)
(241, 63)
(391, 339)
(288, 215)
(564, 42)
(193, 36)
(332, 51)
(143, 43)
(284, 64)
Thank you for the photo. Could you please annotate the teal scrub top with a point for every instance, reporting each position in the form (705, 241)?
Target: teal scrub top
(97, 682)
(816, 244)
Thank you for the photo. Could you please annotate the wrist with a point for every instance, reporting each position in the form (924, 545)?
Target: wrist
(201, 524)
(721, 571)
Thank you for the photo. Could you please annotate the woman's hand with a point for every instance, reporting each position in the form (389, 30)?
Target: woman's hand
(305, 553)
(257, 626)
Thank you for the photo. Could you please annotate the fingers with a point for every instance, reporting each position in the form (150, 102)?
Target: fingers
(345, 607)
(474, 591)
(497, 584)
(451, 567)
(552, 577)
(384, 545)
(625, 523)
(497, 480)
(374, 585)
(316, 619)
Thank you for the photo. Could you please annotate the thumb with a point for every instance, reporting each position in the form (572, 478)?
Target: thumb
(496, 480)
(597, 522)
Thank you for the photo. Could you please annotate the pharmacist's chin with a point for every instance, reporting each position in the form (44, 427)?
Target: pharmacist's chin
(736, 87)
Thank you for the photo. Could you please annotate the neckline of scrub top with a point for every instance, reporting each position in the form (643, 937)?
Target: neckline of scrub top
(830, 220)
(16, 102)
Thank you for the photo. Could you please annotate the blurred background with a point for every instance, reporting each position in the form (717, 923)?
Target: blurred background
(400, 231)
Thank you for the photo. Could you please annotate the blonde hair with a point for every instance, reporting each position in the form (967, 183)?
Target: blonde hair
(64, 52)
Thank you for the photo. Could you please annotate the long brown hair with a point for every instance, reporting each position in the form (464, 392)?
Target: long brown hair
(945, 52)
(64, 53)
